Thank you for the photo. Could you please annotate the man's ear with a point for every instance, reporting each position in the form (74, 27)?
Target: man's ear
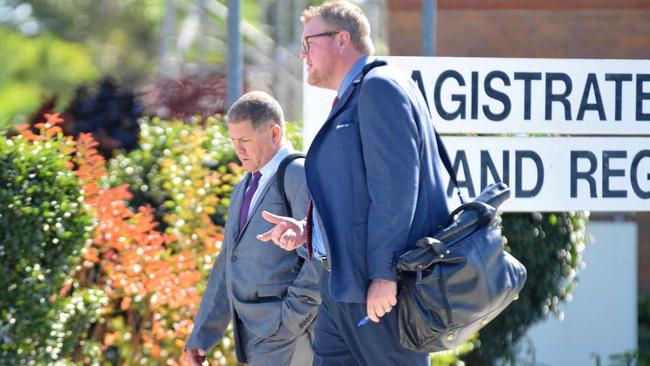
(344, 39)
(276, 130)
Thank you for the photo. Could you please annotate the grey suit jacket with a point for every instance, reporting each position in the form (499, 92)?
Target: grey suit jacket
(264, 285)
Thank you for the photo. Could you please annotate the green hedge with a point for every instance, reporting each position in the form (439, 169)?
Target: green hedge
(43, 228)
(550, 245)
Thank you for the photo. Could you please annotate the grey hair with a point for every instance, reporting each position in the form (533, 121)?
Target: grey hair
(257, 107)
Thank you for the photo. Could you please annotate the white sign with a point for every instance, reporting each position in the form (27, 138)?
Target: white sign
(509, 95)
(555, 173)
(535, 96)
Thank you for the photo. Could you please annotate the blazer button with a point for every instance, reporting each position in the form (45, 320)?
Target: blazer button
(233, 258)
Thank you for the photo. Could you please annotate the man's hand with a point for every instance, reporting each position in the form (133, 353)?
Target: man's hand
(382, 296)
(196, 356)
(288, 233)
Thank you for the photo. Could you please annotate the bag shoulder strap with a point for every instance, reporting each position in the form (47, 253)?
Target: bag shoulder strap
(444, 156)
(279, 176)
(442, 150)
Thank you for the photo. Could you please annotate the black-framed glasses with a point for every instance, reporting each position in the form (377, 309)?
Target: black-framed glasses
(305, 41)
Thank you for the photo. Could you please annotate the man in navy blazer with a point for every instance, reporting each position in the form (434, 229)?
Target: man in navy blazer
(374, 176)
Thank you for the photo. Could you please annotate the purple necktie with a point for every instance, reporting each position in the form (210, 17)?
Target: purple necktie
(248, 197)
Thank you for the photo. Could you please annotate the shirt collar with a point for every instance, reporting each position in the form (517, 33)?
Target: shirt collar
(352, 74)
(272, 165)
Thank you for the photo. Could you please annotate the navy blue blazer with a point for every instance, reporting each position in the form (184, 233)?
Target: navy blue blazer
(374, 175)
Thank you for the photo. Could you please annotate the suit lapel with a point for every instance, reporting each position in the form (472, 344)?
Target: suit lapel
(350, 90)
(338, 108)
(236, 201)
(263, 193)
(253, 209)
(341, 103)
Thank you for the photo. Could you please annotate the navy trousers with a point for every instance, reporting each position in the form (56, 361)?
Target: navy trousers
(339, 341)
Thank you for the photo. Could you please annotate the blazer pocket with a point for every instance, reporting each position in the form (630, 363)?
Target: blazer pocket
(273, 290)
(345, 124)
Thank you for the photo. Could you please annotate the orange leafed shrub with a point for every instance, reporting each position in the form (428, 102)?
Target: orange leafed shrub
(150, 276)
(183, 172)
(135, 267)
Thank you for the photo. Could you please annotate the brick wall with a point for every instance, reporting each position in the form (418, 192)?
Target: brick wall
(534, 28)
(551, 28)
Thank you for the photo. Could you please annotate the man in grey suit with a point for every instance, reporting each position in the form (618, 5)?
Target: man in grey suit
(270, 295)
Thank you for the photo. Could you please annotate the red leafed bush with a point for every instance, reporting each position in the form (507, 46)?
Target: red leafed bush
(152, 287)
(152, 277)
(186, 97)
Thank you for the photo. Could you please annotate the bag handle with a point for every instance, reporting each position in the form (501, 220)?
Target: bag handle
(485, 212)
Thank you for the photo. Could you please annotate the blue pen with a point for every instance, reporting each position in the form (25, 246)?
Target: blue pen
(363, 322)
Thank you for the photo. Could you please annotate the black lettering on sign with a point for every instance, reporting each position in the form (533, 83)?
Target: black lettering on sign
(474, 101)
(634, 174)
(641, 96)
(495, 94)
(460, 98)
(488, 164)
(519, 157)
(527, 77)
(460, 161)
(586, 175)
(618, 80)
(592, 83)
(609, 172)
(561, 97)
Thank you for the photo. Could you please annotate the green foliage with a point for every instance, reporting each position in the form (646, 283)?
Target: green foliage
(294, 134)
(313, 2)
(624, 359)
(43, 228)
(550, 246)
(38, 67)
(452, 357)
(250, 10)
(169, 150)
(155, 173)
(72, 316)
(122, 36)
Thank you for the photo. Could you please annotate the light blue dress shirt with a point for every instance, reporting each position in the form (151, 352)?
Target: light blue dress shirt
(268, 170)
(317, 243)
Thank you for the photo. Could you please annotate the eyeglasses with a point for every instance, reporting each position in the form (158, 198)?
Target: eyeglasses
(305, 41)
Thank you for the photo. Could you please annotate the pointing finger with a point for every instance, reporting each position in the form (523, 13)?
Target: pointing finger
(272, 218)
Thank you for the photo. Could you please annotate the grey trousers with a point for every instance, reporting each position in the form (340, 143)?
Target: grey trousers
(280, 349)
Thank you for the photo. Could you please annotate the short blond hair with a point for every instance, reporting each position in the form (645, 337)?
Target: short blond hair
(345, 16)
